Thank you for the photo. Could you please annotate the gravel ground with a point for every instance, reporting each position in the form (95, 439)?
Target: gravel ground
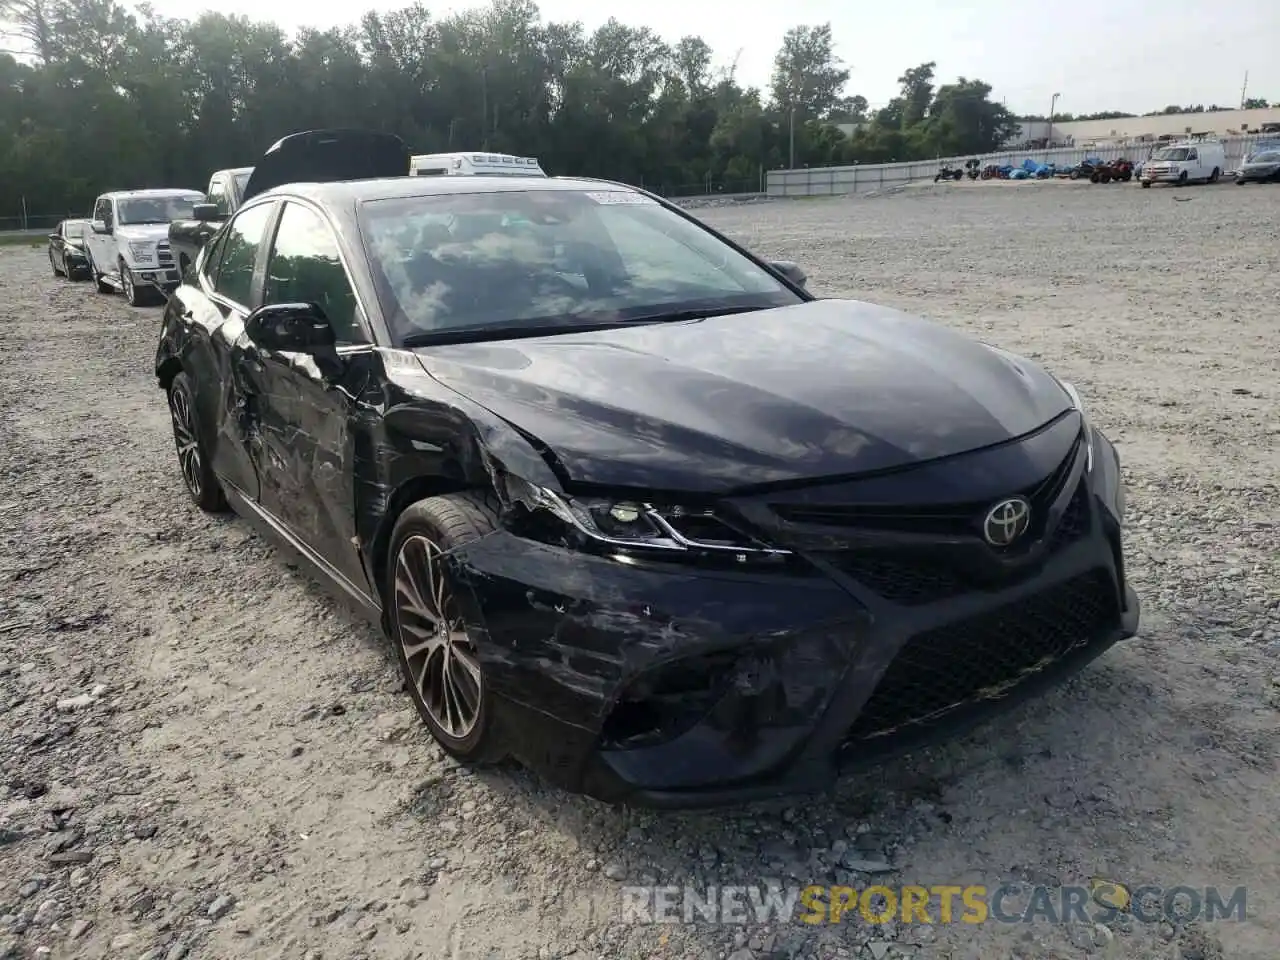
(201, 756)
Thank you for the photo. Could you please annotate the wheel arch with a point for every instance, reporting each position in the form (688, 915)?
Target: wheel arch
(400, 499)
(167, 371)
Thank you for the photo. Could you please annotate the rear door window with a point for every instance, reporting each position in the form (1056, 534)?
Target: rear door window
(244, 237)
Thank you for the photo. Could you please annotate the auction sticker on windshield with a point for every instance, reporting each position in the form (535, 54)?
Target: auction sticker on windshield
(618, 196)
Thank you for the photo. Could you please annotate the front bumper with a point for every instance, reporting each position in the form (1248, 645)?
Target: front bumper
(808, 675)
(166, 277)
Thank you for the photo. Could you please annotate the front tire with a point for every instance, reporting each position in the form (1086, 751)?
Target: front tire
(132, 292)
(1213, 177)
(197, 473)
(435, 646)
(1240, 181)
(54, 264)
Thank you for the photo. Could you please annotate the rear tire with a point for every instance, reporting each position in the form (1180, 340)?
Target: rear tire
(435, 645)
(193, 459)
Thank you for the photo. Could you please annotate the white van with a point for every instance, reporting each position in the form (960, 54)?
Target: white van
(473, 165)
(1196, 161)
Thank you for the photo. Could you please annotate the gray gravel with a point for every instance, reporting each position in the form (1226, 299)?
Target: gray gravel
(201, 756)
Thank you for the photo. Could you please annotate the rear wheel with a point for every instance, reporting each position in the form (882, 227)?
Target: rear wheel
(435, 645)
(197, 473)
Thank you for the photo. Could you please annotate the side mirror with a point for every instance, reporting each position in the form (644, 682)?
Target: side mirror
(100, 226)
(791, 271)
(205, 212)
(291, 328)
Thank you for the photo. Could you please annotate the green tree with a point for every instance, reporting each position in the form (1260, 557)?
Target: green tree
(164, 102)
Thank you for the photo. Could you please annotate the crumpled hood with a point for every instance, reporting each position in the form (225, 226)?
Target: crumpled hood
(826, 388)
(143, 232)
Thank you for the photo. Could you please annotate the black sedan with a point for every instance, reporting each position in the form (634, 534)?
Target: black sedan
(633, 506)
(67, 254)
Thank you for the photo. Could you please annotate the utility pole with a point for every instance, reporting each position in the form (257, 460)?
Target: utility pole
(1053, 104)
(1244, 89)
(484, 107)
(795, 79)
(792, 164)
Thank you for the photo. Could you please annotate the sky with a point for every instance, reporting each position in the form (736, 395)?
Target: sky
(1130, 56)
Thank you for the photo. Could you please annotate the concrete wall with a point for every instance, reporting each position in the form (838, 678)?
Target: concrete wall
(863, 178)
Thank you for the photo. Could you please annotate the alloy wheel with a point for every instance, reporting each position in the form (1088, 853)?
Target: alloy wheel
(441, 658)
(184, 438)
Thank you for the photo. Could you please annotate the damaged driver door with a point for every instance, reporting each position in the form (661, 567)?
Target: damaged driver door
(231, 285)
(311, 345)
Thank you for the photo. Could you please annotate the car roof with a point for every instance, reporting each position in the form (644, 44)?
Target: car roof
(395, 188)
(153, 192)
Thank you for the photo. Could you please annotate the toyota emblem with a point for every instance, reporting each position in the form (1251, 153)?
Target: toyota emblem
(1006, 521)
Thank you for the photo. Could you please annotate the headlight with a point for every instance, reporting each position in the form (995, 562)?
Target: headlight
(627, 528)
(1074, 394)
(142, 251)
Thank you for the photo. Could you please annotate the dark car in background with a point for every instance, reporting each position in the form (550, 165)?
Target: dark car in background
(1262, 166)
(633, 506)
(67, 254)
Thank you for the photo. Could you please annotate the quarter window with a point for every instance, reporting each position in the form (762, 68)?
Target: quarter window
(305, 268)
(240, 253)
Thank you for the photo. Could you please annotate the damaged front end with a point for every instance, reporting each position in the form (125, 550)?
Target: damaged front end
(655, 654)
(694, 649)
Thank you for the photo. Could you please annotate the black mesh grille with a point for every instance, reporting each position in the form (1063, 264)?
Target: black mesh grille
(912, 581)
(970, 660)
(903, 581)
(1075, 520)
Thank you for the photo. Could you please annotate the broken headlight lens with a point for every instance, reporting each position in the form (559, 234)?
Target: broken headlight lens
(636, 526)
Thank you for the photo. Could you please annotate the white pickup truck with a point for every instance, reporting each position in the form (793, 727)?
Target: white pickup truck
(128, 241)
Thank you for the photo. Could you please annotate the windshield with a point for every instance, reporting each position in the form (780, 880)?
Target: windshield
(1267, 156)
(73, 229)
(1170, 153)
(550, 258)
(156, 209)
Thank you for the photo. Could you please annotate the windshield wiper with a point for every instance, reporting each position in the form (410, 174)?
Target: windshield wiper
(685, 316)
(502, 331)
(511, 331)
